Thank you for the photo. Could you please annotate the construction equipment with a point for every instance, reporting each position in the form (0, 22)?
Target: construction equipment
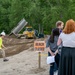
(19, 27)
(29, 32)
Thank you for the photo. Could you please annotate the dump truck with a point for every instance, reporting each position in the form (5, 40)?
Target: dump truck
(15, 31)
(29, 32)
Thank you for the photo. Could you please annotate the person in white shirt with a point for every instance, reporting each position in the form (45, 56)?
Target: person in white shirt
(67, 59)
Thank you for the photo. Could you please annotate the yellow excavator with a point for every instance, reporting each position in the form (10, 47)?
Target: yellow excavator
(29, 32)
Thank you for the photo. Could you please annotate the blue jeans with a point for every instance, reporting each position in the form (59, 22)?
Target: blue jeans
(53, 67)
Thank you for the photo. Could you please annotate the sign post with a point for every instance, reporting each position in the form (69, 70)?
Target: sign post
(39, 46)
(39, 60)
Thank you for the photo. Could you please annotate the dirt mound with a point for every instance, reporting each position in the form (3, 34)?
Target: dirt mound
(14, 45)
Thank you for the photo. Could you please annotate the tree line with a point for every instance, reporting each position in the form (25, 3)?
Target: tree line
(36, 12)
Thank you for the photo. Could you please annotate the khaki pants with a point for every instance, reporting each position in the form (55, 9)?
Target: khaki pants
(3, 53)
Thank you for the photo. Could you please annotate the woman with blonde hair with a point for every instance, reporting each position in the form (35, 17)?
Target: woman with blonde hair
(67, 59)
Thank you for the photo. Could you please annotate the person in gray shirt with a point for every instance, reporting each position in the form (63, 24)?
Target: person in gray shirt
(52, 47)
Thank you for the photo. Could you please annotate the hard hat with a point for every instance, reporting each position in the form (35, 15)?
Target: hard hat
(3, 33)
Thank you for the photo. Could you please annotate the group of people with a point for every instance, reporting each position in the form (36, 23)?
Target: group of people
(61, 44)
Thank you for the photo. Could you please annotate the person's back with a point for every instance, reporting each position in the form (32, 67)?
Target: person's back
(52, 47)
(68, 39)
(67, 60)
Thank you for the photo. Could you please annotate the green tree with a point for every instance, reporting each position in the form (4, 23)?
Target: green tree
(4, 15)
(15, 13)
(36, 12)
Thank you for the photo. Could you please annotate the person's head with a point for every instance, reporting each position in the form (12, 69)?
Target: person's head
(69, 27)
(55, 32)
(59, 24)
(2, 34)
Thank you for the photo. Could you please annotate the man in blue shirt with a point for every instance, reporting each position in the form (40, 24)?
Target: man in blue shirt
(60, 25)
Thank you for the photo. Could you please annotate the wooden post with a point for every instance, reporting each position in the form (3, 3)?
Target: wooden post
(39, 59)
